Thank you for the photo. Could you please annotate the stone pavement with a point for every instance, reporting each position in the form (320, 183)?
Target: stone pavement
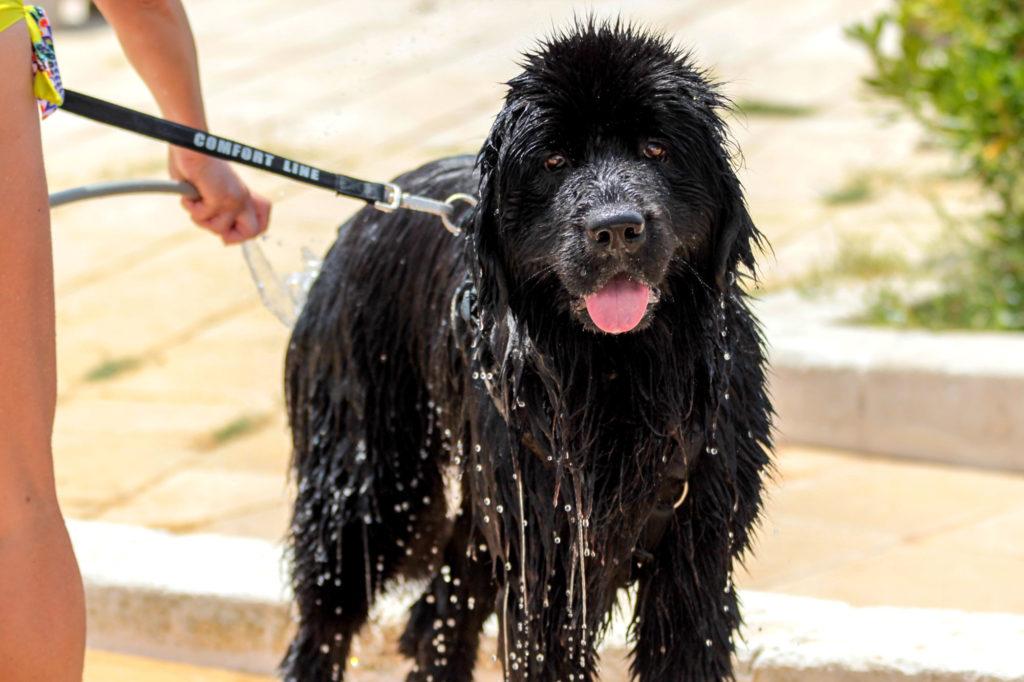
(101, 666)
(170, 409)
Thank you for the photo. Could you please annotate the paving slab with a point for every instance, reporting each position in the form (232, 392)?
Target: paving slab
(189, 500)
(104, 666)
(927, 573)
(872, 531)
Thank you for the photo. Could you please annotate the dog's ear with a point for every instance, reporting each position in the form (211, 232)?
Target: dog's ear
(485, 255)
(735, 234)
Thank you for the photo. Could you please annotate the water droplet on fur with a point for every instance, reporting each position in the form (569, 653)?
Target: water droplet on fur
(325, 648)
(727, 356)
(707, 643)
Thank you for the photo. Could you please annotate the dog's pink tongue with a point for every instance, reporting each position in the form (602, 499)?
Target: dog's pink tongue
(619, 305)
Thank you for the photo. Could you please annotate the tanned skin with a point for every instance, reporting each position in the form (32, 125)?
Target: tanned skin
(42, 607)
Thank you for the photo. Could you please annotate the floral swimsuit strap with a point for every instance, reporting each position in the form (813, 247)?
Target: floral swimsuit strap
(47, 85)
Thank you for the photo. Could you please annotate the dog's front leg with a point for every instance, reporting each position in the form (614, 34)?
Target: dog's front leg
(686, 609)
(544, 636)
(443, 633)
(540, 647)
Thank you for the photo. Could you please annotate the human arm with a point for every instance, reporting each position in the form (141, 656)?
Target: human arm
(157, 39)
(42, 611)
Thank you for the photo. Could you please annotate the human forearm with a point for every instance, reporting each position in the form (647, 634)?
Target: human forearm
(42, 605)
(157, 40)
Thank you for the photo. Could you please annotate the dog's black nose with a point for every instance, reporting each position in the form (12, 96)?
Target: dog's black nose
(617, 231)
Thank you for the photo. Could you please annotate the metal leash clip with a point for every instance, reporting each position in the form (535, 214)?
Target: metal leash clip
(445, 210)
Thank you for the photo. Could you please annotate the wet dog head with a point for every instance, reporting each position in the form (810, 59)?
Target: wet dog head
(605, 177)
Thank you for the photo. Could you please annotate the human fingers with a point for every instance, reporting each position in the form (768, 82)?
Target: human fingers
(199, 210)
(263, 208)
(221, 225)
(244, 228)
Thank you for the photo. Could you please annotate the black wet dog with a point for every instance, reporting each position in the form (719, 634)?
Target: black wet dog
(580, 366)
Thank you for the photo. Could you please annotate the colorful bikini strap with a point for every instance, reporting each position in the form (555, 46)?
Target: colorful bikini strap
(47, 85)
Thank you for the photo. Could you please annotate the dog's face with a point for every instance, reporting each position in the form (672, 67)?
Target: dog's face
(605, 176)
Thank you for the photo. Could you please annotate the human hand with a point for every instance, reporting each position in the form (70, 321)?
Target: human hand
(225, 205)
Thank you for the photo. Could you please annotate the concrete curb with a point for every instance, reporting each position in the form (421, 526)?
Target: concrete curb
(203, 599)
(948, 397)
(222, 601)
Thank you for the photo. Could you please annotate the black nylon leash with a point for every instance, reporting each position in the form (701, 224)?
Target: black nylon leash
(221, 147)
(384, 196)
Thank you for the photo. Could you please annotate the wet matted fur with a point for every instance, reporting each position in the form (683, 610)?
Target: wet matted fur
(422, 357)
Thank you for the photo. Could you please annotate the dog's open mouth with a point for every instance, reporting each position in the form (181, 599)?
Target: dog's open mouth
(618, 306)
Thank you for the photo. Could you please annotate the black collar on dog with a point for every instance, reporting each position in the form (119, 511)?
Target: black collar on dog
(385, 196)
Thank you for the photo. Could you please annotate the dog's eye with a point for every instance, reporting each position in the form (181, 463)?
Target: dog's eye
(554, 162)
(653, 150)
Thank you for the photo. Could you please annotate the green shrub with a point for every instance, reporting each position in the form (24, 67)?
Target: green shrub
(958, 67)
